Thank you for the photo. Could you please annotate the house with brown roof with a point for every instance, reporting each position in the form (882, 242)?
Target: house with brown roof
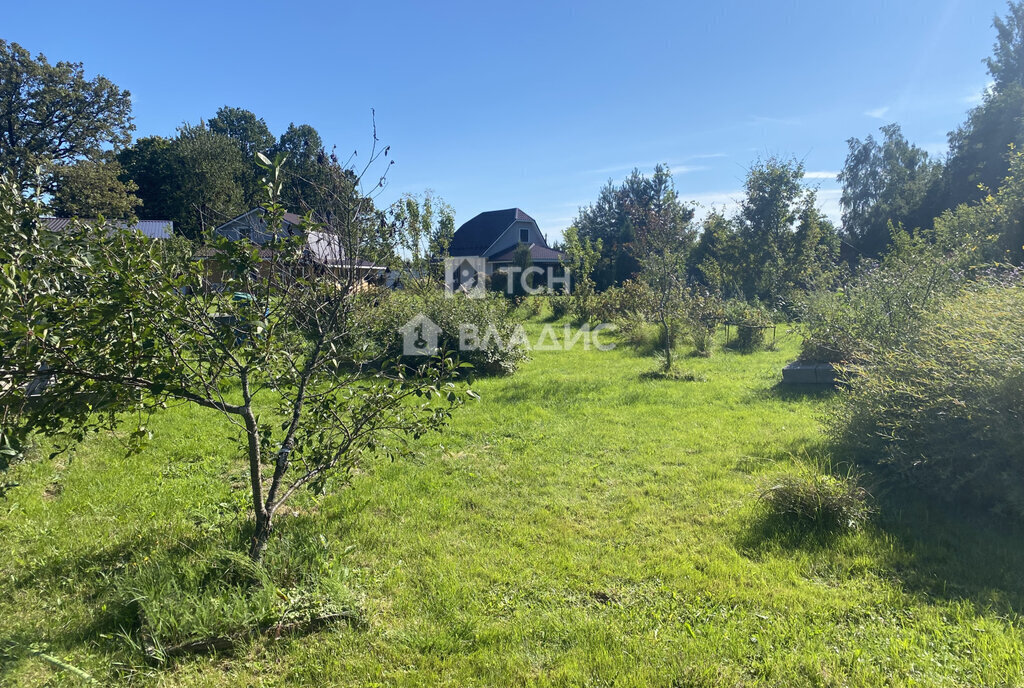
(495, 236)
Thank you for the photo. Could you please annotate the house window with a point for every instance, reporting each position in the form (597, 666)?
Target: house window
(524, 235)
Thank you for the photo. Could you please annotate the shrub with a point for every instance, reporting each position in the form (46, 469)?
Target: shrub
(607, 304)
(881, 306)
(631, 301)
(500, 354)
(751, 320)
(561, 305)
(810, 498)
(703, 311)
(532, 306)
(946, 411)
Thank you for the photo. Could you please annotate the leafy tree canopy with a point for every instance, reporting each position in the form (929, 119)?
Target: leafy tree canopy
(979, 149)
(53, 115)
(617, 218)
(91, 188)
(886, 181)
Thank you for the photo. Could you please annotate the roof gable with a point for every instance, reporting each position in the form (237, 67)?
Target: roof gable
(478, 234)
(252, 225)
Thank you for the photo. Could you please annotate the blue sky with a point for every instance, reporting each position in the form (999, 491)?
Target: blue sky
(536, 105)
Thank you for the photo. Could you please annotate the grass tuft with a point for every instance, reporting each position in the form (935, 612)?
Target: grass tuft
(817, 499)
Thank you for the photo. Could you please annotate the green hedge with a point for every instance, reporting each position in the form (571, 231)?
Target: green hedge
(946, 409)
(501, 353)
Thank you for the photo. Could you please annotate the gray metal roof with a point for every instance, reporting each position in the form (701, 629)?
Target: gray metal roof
(154, 229)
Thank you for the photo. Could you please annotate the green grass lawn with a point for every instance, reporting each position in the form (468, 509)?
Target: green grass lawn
(579, 525)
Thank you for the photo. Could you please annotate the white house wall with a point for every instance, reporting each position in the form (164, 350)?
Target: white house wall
(510, 237)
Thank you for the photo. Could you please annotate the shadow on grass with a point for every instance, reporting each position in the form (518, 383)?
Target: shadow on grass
(112, 586)
(771, 532)
(546, 391)
(783, 392)
(674, 375)
(949, 551)
(952, 551)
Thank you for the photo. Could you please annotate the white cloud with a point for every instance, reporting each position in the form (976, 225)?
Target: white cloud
(878, 113)
(728, 202)
(977, 97)
(673, 167)
(704, 156)
(828, 201)
(820, 175)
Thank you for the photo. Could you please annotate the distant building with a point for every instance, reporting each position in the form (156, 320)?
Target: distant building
(496, 235)
(323, 249)
(154, 229)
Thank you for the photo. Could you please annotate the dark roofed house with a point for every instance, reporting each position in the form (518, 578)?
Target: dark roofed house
(154, 229)
(496, 235)
(250, 225)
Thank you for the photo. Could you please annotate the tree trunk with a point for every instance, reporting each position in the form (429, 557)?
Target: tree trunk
(260, 536)
(262, 532)
(667, 340)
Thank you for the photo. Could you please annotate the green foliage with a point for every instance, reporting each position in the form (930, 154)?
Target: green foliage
(816, 499)
(561, 305)
(91, 189)
(210, 173)
(304, 167)
(750, 319)
(662, 245)
(946, 409)
(521, 261)
(1007, 62)
(487, 322)
(116, 323)
(533, 306)
(785, 241)
(205, 187)
(149, 164)
(43, 273)
(581, 257)
(195, 179)
(777, 247)
(991, 230)
(703, 311)
(54, 116)
(252, 136)
(619, 218)
(713, 261)
(882, 304)
(631, 301)
(424, 227)
(887, 182)
(979, 149)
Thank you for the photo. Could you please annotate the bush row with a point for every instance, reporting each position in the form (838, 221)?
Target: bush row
(946, 409)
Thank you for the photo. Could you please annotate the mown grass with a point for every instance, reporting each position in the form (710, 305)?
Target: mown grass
(582, 524)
